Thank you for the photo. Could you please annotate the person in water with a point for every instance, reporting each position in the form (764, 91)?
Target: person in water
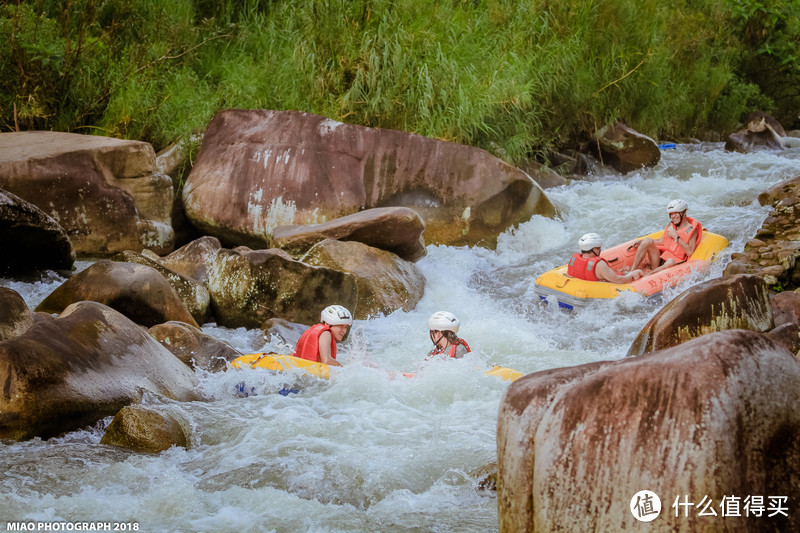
(443, 327)
(588, 265)
(318, 343)
(680, 240)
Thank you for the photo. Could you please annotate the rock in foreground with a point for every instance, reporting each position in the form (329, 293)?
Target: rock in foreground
(713, 418)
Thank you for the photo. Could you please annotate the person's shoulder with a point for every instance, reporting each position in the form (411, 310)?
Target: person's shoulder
(601, 262)
(461, 350)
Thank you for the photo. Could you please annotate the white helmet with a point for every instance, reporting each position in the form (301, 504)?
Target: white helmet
(590, 241)
(443, 321)
(677, 206)
(336, 315)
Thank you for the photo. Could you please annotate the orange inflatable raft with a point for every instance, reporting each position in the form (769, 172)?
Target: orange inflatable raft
(573, 293)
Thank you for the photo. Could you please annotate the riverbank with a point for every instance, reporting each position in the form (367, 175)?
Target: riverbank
(520, 79)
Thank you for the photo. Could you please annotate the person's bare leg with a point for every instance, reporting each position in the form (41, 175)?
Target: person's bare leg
(654, 256)
(668, 263)
(647, 249)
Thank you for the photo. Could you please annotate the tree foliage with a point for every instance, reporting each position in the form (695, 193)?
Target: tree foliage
(517, 77)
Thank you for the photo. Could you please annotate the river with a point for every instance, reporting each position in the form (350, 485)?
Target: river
(365, 452)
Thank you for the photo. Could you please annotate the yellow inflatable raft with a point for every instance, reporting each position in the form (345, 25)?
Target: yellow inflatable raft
(272, 361)
(572, 293)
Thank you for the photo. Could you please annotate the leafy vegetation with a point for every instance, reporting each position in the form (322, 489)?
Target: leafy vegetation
(517, 77)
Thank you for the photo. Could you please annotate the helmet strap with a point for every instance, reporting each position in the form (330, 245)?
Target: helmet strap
(441, 336)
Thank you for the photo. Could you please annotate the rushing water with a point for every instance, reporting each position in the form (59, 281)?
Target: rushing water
(365, 452)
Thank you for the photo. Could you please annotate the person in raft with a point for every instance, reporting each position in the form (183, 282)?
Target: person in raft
(680, 239)
(443, 327)
(318, 343)
(587, 263)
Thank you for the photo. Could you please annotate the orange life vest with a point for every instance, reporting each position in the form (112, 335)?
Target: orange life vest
(584, 267)
(308, 344)
(670, 249)
(451, 350)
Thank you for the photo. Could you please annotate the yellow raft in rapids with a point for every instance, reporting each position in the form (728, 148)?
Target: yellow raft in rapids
(573, 293)
(272, 361)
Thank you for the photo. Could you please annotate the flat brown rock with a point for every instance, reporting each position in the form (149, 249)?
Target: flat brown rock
(106, 193)
(394, 229)
(137, 291)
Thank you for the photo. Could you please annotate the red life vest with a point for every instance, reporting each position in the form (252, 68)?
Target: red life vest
(584, 267)
(308, 344)
(670, 249)
(451, 350)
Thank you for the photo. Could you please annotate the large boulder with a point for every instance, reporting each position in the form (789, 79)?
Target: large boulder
(248, 287)
(624, 149)
(545, 177)
(385, 282)
(712, 419)
(787, 335)
(280, 330)
(137, 291)
(193, 347)
(394, 229)
(145, 430)
(769, 120)
(192, 293)
(194, 259)
(30, 239)
(106, 193)
(573, 163)
(760, 132)
(785, 307)
(782, 195)
(174, 161)
(65, 373)
(259, 169)
(735, 302)
(15, 317)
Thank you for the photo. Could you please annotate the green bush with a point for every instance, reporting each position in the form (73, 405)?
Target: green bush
(516, 77)
(768, 54)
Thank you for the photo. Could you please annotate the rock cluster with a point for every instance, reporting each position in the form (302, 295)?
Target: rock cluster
(67, 372)
(772, 254)
(107, 194)
(85, 352)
